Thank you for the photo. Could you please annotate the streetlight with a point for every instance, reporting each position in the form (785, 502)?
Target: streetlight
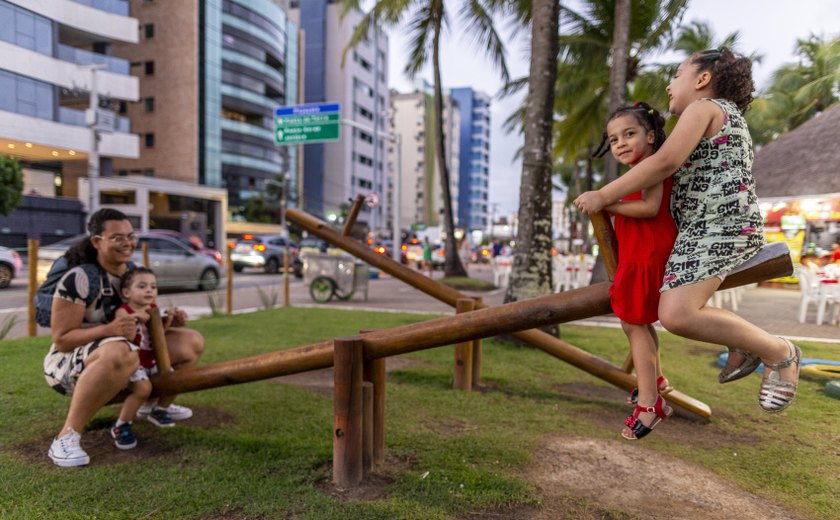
(395, 223)
(284, 187)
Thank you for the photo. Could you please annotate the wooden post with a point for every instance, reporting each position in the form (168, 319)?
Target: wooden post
(476, 350)
(158, 341)
(463, 352)
(367, 427)
(374, 372)
(348, 355)
(145, 247)
(354, 213)
(605, 235)
(286, 275)
(229, 284)
(32, 252)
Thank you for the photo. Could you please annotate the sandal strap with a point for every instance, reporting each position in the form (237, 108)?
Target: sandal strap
(786, 362)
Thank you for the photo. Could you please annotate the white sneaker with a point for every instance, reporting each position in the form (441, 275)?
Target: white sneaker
(66, 451)
(178, 413)
(145, 410)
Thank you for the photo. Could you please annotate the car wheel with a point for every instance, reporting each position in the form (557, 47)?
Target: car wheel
(238, 268)
(272, 266)
(209, 280)
(321, 289)
(5, 276)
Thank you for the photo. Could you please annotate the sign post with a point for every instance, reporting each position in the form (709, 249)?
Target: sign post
(305, 124)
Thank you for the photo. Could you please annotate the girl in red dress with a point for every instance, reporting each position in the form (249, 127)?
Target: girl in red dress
(646, 232)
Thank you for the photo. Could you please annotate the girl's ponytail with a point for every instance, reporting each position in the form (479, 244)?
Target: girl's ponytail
(731, 75)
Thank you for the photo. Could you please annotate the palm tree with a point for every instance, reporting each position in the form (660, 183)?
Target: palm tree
(799, 90)
(427, 19)
(618, 72)
(531, 274)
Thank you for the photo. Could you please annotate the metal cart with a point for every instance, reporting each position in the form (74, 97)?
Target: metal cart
(332, 275)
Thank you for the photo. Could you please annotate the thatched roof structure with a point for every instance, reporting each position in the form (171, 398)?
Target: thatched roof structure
(804, 161)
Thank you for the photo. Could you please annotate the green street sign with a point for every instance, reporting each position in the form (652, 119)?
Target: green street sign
(303, 124)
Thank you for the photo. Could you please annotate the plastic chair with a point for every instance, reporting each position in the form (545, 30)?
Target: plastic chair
(829, 297)
(809, 287)
(502, 266)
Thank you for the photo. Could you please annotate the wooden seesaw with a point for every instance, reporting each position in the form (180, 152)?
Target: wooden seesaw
(359, 360)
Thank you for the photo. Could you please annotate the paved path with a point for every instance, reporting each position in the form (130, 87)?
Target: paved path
(775, 310)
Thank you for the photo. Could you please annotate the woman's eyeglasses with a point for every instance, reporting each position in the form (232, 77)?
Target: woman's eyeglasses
(119, 239)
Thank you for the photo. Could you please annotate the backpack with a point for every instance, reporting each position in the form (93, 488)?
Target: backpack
(95, 275)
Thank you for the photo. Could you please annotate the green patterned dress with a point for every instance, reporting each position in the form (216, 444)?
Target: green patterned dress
(715, 206)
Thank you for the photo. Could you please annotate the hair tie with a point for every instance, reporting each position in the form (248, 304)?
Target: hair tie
(637, 104)
(650, 112)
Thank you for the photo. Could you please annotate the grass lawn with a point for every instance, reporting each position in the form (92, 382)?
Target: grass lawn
(263, 450)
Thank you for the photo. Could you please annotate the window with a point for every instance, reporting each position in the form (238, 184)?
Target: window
(149, 68)
(149, 172)
(149, 104)
(149, 30)
(150, 140)
(123, 107)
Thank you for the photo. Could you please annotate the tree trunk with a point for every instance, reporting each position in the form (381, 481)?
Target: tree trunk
(618, 73)
(531, 275)
(452, 264)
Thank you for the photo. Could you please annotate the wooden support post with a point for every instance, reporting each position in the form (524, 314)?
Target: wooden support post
(286, 275)
(158, 341)
(32, 260)
(607, 242)
(229, 284)
(145, 246)
(367, 428)
(354, 213)
(348, 355)
(462, 379)
(374, 372)
(476, 350)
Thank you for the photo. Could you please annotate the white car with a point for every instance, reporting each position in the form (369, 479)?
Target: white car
(10, 266)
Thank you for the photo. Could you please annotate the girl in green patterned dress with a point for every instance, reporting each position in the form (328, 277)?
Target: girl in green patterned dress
(716, 211)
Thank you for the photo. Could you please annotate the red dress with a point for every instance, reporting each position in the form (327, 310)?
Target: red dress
(644, 245)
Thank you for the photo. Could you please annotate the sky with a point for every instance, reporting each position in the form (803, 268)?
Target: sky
(768, 27)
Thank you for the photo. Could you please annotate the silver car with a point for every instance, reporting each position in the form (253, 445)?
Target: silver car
(10, 266)
(174, 263)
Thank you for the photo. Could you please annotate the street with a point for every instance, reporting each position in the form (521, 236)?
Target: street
(774, 310)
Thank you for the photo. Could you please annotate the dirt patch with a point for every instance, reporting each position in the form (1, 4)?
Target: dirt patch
(374, 485)
(321, 381)
(151, 441)
(627, 481)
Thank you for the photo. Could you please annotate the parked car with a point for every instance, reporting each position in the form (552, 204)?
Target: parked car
(266, 252)
(10, 266)
(192, 242)
(175, 264)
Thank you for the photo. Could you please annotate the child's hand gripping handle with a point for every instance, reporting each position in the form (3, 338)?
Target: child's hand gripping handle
(158, 340)
(607, 242)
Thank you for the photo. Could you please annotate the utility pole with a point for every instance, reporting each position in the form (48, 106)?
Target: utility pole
(93, 154)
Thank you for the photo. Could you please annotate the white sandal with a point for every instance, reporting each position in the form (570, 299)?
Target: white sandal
(775, 394)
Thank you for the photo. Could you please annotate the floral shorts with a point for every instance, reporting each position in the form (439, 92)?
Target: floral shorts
(62, 369)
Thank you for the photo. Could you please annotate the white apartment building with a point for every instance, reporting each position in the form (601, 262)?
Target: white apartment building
(46, 52)
(421, 194)
(336, 172)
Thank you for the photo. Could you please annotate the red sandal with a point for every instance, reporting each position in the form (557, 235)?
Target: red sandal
(633, 398)
(638, 429)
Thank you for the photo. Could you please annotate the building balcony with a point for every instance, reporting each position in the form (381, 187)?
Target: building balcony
(83, 57)
(119, 7)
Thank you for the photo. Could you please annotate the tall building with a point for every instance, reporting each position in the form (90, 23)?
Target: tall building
(211, 74)
(421, 195)
(335, 172)
(475, 158)
(46, 53)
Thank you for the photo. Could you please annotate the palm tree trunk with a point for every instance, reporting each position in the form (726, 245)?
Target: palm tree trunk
(531, 275)
(452, 264)
(618, 72)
